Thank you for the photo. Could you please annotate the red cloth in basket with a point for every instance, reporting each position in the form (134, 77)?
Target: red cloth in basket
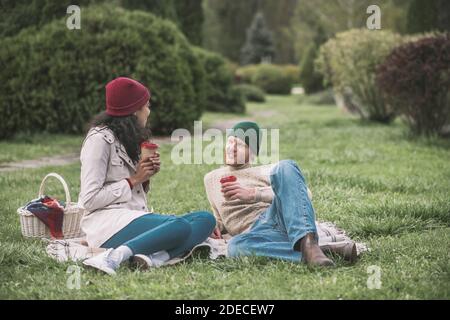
(50, 212)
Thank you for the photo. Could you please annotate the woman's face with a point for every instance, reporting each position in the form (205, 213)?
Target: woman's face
(143, 113)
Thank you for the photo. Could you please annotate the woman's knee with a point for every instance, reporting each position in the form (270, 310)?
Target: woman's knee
(180, 227)
(207, 219)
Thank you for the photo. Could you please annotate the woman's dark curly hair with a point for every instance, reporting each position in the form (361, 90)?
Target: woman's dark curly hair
(126, 129)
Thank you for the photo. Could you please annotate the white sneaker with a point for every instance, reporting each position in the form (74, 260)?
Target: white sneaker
(102, 262)
(142, 262)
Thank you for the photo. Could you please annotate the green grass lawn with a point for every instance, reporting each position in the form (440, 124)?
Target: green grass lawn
(383, 187)
(27, 147)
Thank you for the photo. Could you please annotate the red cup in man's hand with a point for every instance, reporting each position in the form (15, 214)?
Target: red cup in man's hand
(228, 179)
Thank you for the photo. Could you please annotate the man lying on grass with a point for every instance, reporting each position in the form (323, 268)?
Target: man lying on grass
(266, 215)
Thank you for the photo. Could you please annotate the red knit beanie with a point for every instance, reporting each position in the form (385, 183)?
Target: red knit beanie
(124, 96)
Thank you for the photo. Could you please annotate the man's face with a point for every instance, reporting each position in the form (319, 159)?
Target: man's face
(236, 152)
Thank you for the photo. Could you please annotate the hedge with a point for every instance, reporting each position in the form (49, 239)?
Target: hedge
(252, 93)
(219, 80)
(415, 78)
(53, 79)
(349, 63)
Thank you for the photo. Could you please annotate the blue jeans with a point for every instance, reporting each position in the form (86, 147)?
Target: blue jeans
(151, 233)
(288, 219)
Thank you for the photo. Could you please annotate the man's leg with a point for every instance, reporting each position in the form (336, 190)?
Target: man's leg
(293, 210)
(264, 240)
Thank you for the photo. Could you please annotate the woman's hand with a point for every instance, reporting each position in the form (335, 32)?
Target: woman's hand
(216, 234)
(233, 191)
(156, 162)
(144, 170)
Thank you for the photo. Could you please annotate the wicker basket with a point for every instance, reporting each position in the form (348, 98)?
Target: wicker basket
(32, 227)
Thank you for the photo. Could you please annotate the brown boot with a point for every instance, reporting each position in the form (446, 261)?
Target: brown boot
(347, 250)
(312, 254)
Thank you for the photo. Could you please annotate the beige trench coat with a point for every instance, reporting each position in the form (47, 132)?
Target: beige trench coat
(104, 192)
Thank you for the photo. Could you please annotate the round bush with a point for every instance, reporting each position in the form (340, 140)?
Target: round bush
(54, 79)
(292, 71)
(236, 100)
(219, 80)
(416, 79)
(245, 74)
(252, 93)
(349, 63)
(272, 79)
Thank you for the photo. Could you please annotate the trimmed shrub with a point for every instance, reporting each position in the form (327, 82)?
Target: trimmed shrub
(54, 79)
(252, 93)
(292, 72)
(349, 63)
(245, 74)
(236, 100)
(325, 97)
(219, 80)
(415, 78)
(272, 79)
(311, 80)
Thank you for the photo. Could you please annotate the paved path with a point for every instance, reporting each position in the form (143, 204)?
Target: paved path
(58, 160)
(66, 159)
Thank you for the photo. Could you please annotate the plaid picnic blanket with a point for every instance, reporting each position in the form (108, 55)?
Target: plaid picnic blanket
(76, 249)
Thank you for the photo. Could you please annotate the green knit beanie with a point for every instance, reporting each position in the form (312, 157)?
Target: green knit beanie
(239, 130)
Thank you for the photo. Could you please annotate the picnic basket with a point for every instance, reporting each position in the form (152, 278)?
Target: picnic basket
(32, 227)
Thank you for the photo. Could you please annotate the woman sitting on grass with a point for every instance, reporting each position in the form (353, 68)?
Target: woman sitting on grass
(114, 186)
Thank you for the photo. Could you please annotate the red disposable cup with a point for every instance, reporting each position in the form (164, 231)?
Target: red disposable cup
(148, 149)
(228, 179)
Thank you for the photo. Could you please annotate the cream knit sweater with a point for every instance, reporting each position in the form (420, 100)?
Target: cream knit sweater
(236, 216)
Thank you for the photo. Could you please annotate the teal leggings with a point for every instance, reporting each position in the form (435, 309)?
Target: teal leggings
(177, 235)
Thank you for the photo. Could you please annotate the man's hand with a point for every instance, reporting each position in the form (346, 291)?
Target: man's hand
(233, 191)
(216, 234)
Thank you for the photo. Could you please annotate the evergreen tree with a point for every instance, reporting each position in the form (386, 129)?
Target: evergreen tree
(190, 19)
(443, 18)
(259, 45)
(311, 80)
(225, 22)
(422, 16)
(161, 8)
(187, 14)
